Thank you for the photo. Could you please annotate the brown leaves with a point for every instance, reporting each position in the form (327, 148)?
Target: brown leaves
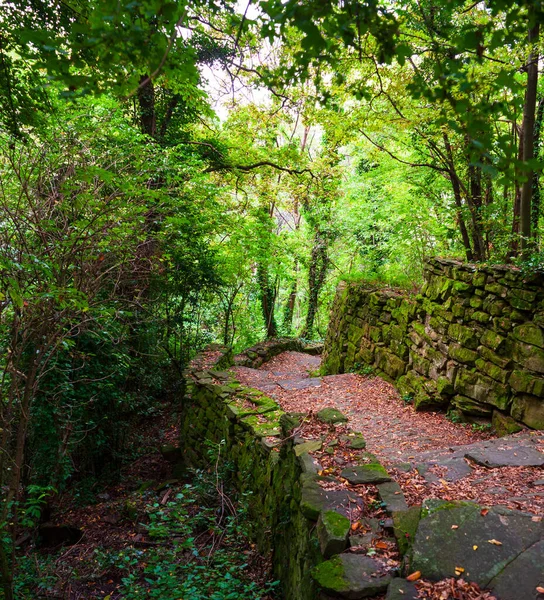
(452, 589)
(494, 542)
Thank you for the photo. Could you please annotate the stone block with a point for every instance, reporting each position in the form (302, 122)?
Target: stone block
(331, 415)
(493, 340)
(466, 336)
(481, 317)
(476, 302)
(351, 576)
(371, 473)
(503, 424)
(478, 279)
(472, 407)
(497, 289)
(462, 354)
(420, 364)
(530, 357)
(391, 495)
(389, 363)
(332, 533)
(501, 361)
(502, 324)
(493, 371)
(529, 410)
(530, 334)
(405, 526)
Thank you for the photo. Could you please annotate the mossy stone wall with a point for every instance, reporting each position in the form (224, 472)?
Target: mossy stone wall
(252, 433)
(472, 339)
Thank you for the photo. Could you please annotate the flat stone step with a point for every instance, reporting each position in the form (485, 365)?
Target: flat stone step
(299, 383)
(506, 453)
(352, 576)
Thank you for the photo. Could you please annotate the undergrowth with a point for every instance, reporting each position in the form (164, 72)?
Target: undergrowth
(196, 547)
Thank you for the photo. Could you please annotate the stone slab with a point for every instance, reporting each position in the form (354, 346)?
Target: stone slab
(458, 534)
(400, 589)
(372, 473)
(522, 576)
(352, 576)
(391, 495)
(315, 499)
(506, 452)
(300, 383)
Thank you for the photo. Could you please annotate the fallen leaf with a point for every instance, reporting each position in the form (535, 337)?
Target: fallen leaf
(355, 526)
(381, 545)
(414, 576)
(484, 511)
(459, 570)
(540, 590)
(495, 542)
(455, 526)
(475, 547)
(536, 519)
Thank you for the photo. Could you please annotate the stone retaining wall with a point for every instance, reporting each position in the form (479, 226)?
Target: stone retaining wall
(471, 340)
(272, 466)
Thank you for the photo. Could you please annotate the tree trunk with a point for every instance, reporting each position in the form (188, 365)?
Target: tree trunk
(146, 100)
(268, 298)
(535, 205)
(319, 263)
(454, 178)
(528, 128)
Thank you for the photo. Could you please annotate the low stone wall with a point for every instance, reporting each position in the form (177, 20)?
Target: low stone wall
(472, 339)
(293, 516)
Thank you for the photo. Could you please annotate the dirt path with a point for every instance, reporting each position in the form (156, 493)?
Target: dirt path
(425, 452)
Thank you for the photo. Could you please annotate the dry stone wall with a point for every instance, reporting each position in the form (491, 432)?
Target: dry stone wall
(305, 525)
(471, 340)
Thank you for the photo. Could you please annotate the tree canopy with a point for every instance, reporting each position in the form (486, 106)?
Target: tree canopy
(175, 173)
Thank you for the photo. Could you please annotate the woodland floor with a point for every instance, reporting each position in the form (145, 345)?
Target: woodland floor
(399, 436)
(132, 526)
(116, 517)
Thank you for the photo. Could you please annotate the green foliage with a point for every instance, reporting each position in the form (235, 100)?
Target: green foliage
(408, 398)
(197, 552)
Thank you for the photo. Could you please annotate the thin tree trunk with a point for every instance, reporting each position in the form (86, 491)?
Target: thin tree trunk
(319, 263)
(458, 199)
(146, 100)
(528, 128)
(268, 298)
(535, 207)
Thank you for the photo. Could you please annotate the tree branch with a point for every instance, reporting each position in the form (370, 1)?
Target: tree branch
(263, 163)
(404, 162)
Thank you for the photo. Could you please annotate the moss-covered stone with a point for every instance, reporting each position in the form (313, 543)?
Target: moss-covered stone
(530, 334)
(331, 415)
(529, 356)
(466, 336)
(462, 354)
(493, 340)
(471, 406)
(357, 441)
(503, 424)
(492, 370)
(307, 447)
(371, 473)
(351, 576)
(497, 289)
(405, 526)
(332, 532)
(481, 317)
(501, 361)
(529, 410)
